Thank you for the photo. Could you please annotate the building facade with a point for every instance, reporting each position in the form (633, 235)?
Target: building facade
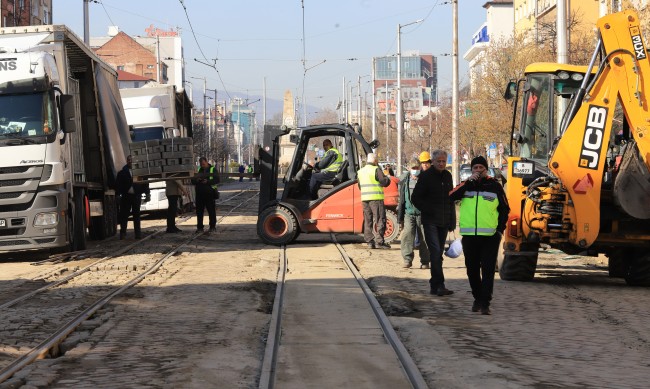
(537, 18)
(499, 24)
(25, 12)
(419, 84)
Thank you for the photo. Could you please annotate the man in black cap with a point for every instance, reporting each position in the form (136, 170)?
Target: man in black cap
(431, 197)
(483, 215)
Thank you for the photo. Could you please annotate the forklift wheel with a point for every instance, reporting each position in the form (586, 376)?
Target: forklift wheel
(392, 227)
(277, 226)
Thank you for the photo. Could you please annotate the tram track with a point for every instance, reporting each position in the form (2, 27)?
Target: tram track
(270, 364)
(29, 322)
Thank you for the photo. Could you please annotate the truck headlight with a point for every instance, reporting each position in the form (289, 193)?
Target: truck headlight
(46, 219)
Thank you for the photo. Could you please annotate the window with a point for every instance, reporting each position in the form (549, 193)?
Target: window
(149, 66)
(46, 16)
(120, 67)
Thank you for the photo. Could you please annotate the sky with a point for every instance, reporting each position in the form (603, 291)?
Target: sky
(256, 39)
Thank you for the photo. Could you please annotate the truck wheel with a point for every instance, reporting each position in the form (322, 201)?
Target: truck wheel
(392, 227)
(277, 226)
(639, 271)
(517, 267)
(79, 221)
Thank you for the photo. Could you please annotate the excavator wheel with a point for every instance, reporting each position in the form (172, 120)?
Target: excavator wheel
(276, 225)
(638, 273)
(392, 227)
(517, 267)
(618, 262)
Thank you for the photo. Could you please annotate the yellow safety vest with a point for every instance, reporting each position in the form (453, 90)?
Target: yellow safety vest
(370, 188)
(334, 166)
(478, 213)
(210, 177)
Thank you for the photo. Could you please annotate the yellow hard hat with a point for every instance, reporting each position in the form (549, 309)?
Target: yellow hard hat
(424, 156)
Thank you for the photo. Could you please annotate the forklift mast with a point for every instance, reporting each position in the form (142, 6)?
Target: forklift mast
(269, 158)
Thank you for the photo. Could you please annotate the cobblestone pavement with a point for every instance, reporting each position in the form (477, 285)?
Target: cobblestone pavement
(572, 327)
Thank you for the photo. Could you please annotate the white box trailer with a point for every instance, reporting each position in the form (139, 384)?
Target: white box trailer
(63, 136)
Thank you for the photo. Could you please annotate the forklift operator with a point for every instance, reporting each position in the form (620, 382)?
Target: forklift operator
(326, 168)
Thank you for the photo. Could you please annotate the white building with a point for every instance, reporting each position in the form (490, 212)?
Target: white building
(499, 24)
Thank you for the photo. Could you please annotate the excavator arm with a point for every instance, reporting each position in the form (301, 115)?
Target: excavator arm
(578, 160)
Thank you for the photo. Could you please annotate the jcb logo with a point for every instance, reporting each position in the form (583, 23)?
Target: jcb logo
(7, 65)
(592, 142)
(637, 42)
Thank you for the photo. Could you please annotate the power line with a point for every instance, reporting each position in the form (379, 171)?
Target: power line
(107, 15)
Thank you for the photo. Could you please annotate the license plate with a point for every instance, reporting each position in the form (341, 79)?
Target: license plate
(520, 168)
(3, 223)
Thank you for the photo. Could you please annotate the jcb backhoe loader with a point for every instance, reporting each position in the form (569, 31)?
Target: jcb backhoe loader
(581, 182)
(338, 207)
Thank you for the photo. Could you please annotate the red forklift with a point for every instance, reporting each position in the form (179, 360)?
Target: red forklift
(338, 206)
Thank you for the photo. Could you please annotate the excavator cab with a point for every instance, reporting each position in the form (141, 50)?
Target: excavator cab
(337, 207)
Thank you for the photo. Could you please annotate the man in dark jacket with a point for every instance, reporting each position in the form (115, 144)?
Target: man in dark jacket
(410, 218)
(205, 181)
(483, 216)
(431, 197)
(130, 198)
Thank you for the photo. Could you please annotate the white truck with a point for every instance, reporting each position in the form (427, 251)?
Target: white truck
(63, 136)
(156, 111)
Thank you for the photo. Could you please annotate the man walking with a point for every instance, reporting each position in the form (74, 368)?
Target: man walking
(326, 168)
(173, 190)
(205, 182)
(431, 197)
(483, 215)
(130, 198)
(372, 182)
(410, 218)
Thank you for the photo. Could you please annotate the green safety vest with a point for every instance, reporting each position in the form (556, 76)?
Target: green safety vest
(370, 188)
(478, 213)
(210, 177)
(334, 166)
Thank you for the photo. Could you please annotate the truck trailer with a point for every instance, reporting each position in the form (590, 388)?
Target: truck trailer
(63, 135)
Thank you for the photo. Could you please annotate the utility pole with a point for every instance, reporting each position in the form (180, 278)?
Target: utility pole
(345, 104)
(374, 103)
(399, 117)
(562, 53)
(157, 59)
(359, 100)
(455, 169)
(86, 23)
(387, 125)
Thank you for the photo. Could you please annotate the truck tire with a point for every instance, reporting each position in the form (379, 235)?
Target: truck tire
(79, 221)
(517, 267)
(638, 273)
(276, 225)
(392, 227)
(102, 227)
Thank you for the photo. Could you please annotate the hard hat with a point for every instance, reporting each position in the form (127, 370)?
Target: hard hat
(424, 156)
(455, 249)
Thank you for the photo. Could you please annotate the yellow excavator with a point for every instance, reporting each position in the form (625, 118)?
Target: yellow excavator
(581, 181)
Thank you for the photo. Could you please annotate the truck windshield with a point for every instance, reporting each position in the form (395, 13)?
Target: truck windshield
(147, 133)
(536, 118)
(26, 116)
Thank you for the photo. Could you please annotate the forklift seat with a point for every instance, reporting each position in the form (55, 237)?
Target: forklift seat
(341, 176)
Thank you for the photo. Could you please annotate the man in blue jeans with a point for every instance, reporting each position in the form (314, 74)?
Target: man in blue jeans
(431, 197)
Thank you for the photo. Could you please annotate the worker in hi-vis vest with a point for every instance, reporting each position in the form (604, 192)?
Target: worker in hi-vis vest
(325, 169)
(372, 182)
(205, 181)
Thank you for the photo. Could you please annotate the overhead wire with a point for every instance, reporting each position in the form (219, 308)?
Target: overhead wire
(105, 11)
(205, 58)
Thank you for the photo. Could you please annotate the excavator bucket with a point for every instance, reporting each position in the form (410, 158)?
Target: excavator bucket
(632, 184)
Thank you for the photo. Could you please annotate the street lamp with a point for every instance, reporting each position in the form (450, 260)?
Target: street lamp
(399, 94)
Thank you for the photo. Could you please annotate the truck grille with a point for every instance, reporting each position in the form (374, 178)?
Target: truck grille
(13, 169)
(11, 195)
(12, 231)
(12, 182)
(19, 242)
(45, 240)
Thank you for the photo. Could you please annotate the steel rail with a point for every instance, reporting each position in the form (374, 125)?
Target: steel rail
(267, 378)
(410, 368)
(42, 349)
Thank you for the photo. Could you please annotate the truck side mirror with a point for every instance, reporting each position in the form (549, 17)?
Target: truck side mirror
(68, 114)
(511, 90)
